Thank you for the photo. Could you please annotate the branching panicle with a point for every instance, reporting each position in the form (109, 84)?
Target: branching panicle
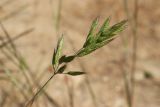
(93, 42)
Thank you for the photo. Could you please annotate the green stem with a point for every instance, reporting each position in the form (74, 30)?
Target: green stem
(30, 102)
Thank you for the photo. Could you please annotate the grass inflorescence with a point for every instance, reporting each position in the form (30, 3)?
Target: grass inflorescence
(94, 41)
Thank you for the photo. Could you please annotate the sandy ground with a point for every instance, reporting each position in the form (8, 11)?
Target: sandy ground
(103, 66)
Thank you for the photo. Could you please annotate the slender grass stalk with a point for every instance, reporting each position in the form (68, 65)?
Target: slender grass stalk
(16, 37)
(8, 56)
(125, 78)
(15, 83)
(127, 82)
(9, 39)
(17, 56)
(126, 9)
(135, 41)
(46, 95)
(130, 84)
(35, 81)
(58, 16)
(30, 102)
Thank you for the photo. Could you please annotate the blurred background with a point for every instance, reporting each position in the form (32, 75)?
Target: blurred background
(125, 73)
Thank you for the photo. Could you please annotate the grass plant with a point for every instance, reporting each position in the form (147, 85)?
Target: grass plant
(94, 41)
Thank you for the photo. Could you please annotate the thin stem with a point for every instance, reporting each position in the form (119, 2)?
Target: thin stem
(15, 53)
(135, 39)
(15, 82)
(16, 37)
(126, 81)
(9, 39)
(126, 9)
(58, 18)
(30, 102)
(130, 84)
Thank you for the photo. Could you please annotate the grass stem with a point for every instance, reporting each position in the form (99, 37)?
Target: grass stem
(30, 102)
